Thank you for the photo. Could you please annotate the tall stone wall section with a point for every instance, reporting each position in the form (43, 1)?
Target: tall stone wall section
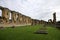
(5, 14)
(54, 17)
(16, 17)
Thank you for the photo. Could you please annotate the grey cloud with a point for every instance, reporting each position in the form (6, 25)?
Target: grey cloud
(38, 9)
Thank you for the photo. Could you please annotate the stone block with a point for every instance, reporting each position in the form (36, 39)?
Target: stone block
(41, 32)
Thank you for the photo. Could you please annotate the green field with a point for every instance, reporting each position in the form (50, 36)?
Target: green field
(27, 33)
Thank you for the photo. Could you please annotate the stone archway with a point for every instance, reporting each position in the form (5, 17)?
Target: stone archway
(0, 12)
(1, 19)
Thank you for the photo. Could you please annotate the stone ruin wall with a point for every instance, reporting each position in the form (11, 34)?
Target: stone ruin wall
(5, 14)
(50, 21)
(54, 17)
(16, 17)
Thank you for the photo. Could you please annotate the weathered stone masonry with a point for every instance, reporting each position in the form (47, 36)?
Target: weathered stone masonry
(16, 17)
(54, 17)
(5, 14)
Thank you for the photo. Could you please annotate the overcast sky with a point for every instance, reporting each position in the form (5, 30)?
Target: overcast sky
(37, 9)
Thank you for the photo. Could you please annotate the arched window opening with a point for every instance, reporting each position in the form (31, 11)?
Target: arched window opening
(0, 13)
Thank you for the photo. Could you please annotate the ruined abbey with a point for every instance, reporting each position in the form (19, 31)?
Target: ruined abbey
(19, 19)
(16, 18)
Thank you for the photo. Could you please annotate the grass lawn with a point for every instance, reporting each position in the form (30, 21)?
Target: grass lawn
(27, 33)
